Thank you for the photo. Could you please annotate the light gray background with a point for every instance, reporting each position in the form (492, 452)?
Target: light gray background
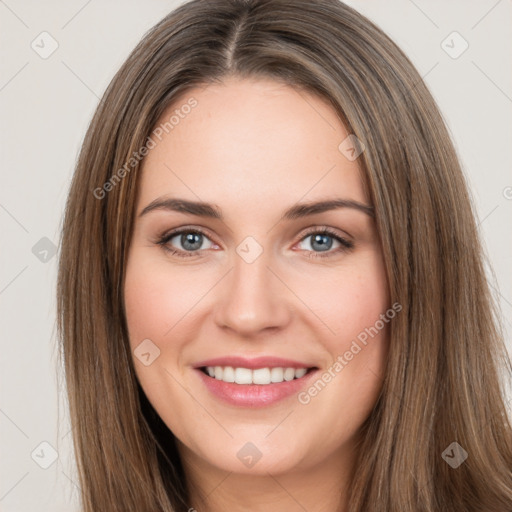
(46, 105)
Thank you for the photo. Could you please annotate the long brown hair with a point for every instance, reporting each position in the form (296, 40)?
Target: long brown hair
(447, 356)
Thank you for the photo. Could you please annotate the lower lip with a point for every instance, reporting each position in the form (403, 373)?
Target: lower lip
(254, 395)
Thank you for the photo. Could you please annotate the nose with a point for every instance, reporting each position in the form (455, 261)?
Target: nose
(253, 298)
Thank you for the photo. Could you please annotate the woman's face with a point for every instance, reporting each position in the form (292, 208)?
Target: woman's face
(260, 289)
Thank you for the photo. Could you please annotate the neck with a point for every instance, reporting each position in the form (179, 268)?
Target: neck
(318, 488)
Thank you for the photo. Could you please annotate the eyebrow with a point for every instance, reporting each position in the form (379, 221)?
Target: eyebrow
(202, 209)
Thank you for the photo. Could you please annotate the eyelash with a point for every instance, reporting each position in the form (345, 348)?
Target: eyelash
(346, 245)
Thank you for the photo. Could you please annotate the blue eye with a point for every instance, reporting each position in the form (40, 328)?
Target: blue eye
(191, 240)
(323, 240)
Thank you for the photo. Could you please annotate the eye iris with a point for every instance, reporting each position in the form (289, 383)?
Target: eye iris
(325, 242)
(194, 239)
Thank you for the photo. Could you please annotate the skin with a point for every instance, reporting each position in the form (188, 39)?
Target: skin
(254, 149)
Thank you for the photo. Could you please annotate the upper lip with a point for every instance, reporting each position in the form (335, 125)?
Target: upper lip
(253, 363)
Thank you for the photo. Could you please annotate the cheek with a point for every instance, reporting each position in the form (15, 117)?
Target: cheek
(158, 306)
(354, 313)
(348, 300)
(154, 303)
(156, 299)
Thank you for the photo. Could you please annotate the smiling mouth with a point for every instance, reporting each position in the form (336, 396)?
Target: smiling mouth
(260, 376)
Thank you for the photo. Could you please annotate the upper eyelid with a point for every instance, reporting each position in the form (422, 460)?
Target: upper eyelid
(330, 231)
(179, 231)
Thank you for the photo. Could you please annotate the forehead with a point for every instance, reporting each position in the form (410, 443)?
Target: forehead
(248, 143)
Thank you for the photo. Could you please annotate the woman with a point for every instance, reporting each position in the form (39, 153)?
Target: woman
(271, 289)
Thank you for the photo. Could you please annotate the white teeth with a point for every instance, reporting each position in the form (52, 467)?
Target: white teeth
(229, 374)
(260, 376)
(242, 376)
(277, 375)
(300, 373)
(289, 374)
